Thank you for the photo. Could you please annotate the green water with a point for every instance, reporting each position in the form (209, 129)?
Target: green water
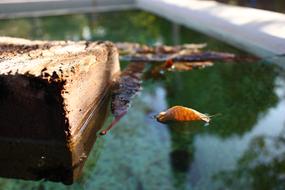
(243, 148)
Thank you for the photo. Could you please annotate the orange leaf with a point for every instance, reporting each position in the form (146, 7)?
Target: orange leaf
(168, 64)
(181, 114)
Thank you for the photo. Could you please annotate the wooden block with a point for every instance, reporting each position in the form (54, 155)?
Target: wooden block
(53, 100)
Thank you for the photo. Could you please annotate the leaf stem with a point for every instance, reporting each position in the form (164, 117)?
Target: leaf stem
(114, 122)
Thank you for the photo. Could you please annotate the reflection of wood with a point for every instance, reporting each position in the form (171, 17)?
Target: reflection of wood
(192, 57)
(53, 98)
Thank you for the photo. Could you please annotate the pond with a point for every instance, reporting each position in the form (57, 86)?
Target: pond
(242, 148)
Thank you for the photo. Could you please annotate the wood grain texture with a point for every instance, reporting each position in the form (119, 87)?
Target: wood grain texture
(53, 94)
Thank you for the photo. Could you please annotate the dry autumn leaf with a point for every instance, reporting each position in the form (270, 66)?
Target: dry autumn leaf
(124, 89)
(188, 66)
(181, 114)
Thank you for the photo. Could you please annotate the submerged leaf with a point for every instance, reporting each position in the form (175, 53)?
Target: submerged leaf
(159, 71)
(182, 56)
(135, 48)
(127, 85)
(181, 114)
(124, 89)
(187, 66)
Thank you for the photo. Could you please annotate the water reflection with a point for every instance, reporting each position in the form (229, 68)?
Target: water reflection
(261, 164)
(226, 89)
(181, 158)
(49, 28)
(135, 154)
(244, 105)
(114, 26)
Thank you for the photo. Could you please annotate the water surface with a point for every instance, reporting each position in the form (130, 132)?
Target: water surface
(243, 148)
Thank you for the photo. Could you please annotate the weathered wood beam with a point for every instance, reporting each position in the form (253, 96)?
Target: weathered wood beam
(53, 100)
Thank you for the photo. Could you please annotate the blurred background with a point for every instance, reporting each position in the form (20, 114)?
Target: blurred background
(274, 5)
(20, 8)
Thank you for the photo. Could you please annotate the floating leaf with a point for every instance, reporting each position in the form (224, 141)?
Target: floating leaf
(181, 114)
(124, 89)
